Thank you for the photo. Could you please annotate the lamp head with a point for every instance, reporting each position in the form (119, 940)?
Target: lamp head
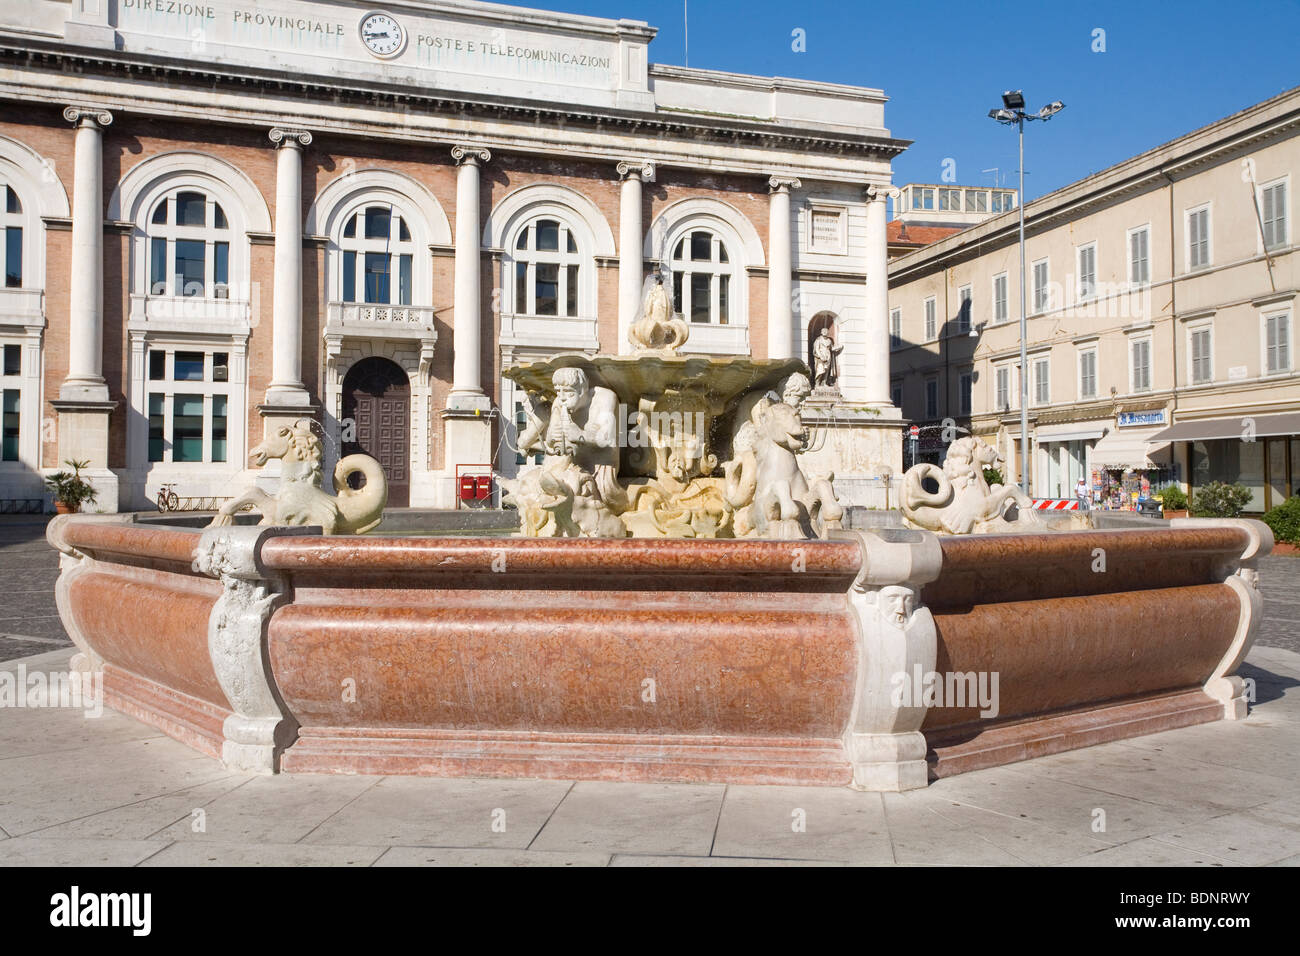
(1014, 99)
(1051, 109)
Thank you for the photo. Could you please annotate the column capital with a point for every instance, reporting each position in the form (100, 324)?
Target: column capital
(875, 192)
(289, 136)
(474, 155)
(87, 115)
(642, 169)
(783, 184)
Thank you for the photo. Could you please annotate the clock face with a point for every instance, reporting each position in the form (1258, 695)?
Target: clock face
(382, 35)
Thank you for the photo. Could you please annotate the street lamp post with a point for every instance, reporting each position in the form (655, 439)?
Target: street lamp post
(1013, 114)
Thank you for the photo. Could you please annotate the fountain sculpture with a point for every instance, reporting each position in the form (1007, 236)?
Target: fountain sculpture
(663, 445)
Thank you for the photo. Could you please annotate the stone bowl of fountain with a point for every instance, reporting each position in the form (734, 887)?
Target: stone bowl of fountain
(682, 607)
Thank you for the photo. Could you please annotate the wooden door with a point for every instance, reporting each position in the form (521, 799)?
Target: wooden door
(377, 398)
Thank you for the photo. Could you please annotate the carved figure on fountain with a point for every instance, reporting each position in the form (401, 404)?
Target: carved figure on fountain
(965, 503)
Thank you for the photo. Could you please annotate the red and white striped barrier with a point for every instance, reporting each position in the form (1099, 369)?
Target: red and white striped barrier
(1056, 504)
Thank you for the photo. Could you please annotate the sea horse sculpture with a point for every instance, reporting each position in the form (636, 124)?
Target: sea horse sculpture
(965, 503)
(301, 500)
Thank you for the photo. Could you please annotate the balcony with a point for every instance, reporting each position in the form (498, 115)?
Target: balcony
(21, 307)
(577, 333)
(367, 318)
(174, 313)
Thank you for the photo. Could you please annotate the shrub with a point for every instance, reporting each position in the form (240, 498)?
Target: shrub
(1173, 498)
(1285, 520)
(993, 476)
(1220, 500)
(70, 488)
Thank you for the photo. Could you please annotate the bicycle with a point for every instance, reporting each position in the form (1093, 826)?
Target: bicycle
(167, 498)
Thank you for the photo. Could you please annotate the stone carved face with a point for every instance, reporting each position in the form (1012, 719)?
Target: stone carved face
(780, 423)
(572, 393)
(897, 604)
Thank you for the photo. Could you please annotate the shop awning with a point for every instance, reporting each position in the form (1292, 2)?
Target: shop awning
(1081, 434)
(1235, 427)
(1128, 448)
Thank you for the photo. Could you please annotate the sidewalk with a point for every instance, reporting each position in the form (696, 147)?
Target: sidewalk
(113, 791)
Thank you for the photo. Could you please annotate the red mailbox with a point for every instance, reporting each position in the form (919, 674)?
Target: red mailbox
(484, 490)
(467, 487)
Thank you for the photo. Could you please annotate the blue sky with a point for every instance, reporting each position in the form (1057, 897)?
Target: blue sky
(1167, 69)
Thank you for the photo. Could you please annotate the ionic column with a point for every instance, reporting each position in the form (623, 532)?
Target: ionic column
(85, 381)
(780, 311)
(286, 386)
(466, 386)
(631, 267)
(876, 343)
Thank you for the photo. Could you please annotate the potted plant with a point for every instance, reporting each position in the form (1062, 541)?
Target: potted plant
(1173, 501)
(70, 490)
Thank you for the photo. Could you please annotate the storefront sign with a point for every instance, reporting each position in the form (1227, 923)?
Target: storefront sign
(1155, 416)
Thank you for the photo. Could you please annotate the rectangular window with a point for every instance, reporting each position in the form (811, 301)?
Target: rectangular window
(158, 266)
(220, 366)
(13, 256)
(13, 360)
(379, 223)
(221, 270)
(377, 286)
(156, 424)
(965, 384)
(157, 365)
(1002, 389)
(546, 288)
(571, 290)
(929, 319)
(1278, 342)
(963, 310)
(679, 279)
(404, 279)
(922, 198)
(218, 428)
(724, 294)
(950, 199)
(977, 200)
(1087, 271)
(1088, 374)
(1200, 348)
(187, 428)
(1273, 213)
(521, 287)
(1140, 353)
(700, 293)
(191, 209)
(188, 367)
(1139, 256)
(895, 328)
(1042, 296)
(1198, 238)
(548, 235)
(1000, 299)
(896, 394)
(1002, 202)
(931, 398)
(9, 424)
(191, 266)
(1042, 381)
(349, 277)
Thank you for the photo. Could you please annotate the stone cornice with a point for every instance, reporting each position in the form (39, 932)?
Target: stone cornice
(59, 58)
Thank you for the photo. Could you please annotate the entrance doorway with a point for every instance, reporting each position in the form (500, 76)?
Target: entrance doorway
(377, 397)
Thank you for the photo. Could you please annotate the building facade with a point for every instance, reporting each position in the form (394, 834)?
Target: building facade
(1161, 299)
(223, 216)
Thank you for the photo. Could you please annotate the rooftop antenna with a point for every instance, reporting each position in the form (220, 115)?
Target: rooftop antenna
(686, 29)
(997, 175)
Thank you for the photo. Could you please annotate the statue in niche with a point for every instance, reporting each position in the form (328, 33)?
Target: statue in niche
(825, 355)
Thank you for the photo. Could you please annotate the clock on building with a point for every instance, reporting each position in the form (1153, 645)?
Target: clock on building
(382, 35)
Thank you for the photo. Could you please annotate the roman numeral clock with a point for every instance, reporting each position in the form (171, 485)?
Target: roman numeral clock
(382, 35)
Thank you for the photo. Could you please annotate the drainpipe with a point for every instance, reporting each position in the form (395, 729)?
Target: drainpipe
(1173, 321)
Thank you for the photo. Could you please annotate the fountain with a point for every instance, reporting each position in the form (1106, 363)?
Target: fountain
(682, 603)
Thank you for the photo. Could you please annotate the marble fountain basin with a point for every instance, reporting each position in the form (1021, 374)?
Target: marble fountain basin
(744, 661)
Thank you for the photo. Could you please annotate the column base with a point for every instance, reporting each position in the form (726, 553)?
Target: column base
(83, 436)
(294, 396)
(468, 401)
(84, 391)
(467, 436)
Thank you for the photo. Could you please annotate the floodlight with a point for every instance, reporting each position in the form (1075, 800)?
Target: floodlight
(1014, 99)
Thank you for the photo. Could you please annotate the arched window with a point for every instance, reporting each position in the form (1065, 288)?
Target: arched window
(11, 254)
(702, 278)
(377, 256)
(547, 270)
(189, 246)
